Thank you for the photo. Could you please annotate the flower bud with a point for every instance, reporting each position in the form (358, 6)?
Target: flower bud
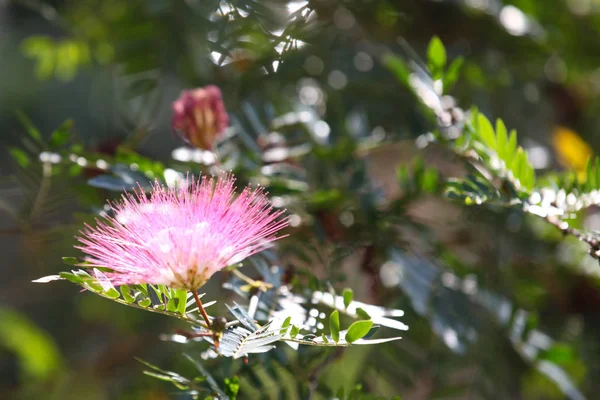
(199, 116)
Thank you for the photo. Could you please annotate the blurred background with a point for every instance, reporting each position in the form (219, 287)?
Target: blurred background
(498, 305)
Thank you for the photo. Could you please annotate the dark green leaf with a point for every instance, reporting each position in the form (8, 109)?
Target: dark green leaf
(70, 260)
(362, 313)
(19, 156)
(61, 135)
(31, 129)
(452, 73)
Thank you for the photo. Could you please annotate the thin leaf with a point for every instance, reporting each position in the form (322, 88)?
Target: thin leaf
(486, 131)
(348, 295)
(334, 325)
(209, 379)
(29, 126)
(453, 73)
(501, 140)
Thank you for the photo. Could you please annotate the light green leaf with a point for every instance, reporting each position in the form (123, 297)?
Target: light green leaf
(171, 306)
(334, 325)
(511, 147)
(348, 295)
(358, 330)
(436, 54)
(294, 331)
(126, 295)
(486, 132)
(182, 301)
(145, 303)
(501, 140)
(112, 293)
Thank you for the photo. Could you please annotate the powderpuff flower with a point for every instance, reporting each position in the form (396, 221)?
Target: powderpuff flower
(180, 237)
(199, 116)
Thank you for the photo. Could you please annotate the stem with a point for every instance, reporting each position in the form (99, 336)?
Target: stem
(201, 307)
(564, 227)
(263, 286)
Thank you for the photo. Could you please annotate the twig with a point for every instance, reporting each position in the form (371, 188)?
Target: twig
(201, 307)
(42, 191)
(263, 286)
(564, 227)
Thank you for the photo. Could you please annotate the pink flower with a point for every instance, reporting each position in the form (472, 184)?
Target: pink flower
(199, 116)
(181, 237)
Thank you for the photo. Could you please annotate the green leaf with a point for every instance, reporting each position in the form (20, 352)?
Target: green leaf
(145, 302)
(294, 332)
(597, 173)
(452, 73)
(436, 54)
(126, 295)
(38, 355)
(286, 323)
(29, 126)
(348, 295)
(334, 325)
(511, 147)
(70, 260)
(486, 132)
(590, 178)
(182, 298)
(517, 164)
(324, 337)
(171, 306)
(112, 293)
(397, 66)
(362, 313)
(358, 330)
(501, 140)
(19, 156)
(61, 135)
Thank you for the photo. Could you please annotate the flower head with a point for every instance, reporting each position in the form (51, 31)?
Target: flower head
(181, 237)
(199, 116)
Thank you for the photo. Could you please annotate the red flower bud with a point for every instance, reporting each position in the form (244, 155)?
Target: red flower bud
(199, 116)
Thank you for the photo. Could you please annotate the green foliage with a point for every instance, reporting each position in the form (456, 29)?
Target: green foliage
(176, 303)
(501, 153)
(319, 157)
(436, 57)
(56, 58)
(417, 179)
